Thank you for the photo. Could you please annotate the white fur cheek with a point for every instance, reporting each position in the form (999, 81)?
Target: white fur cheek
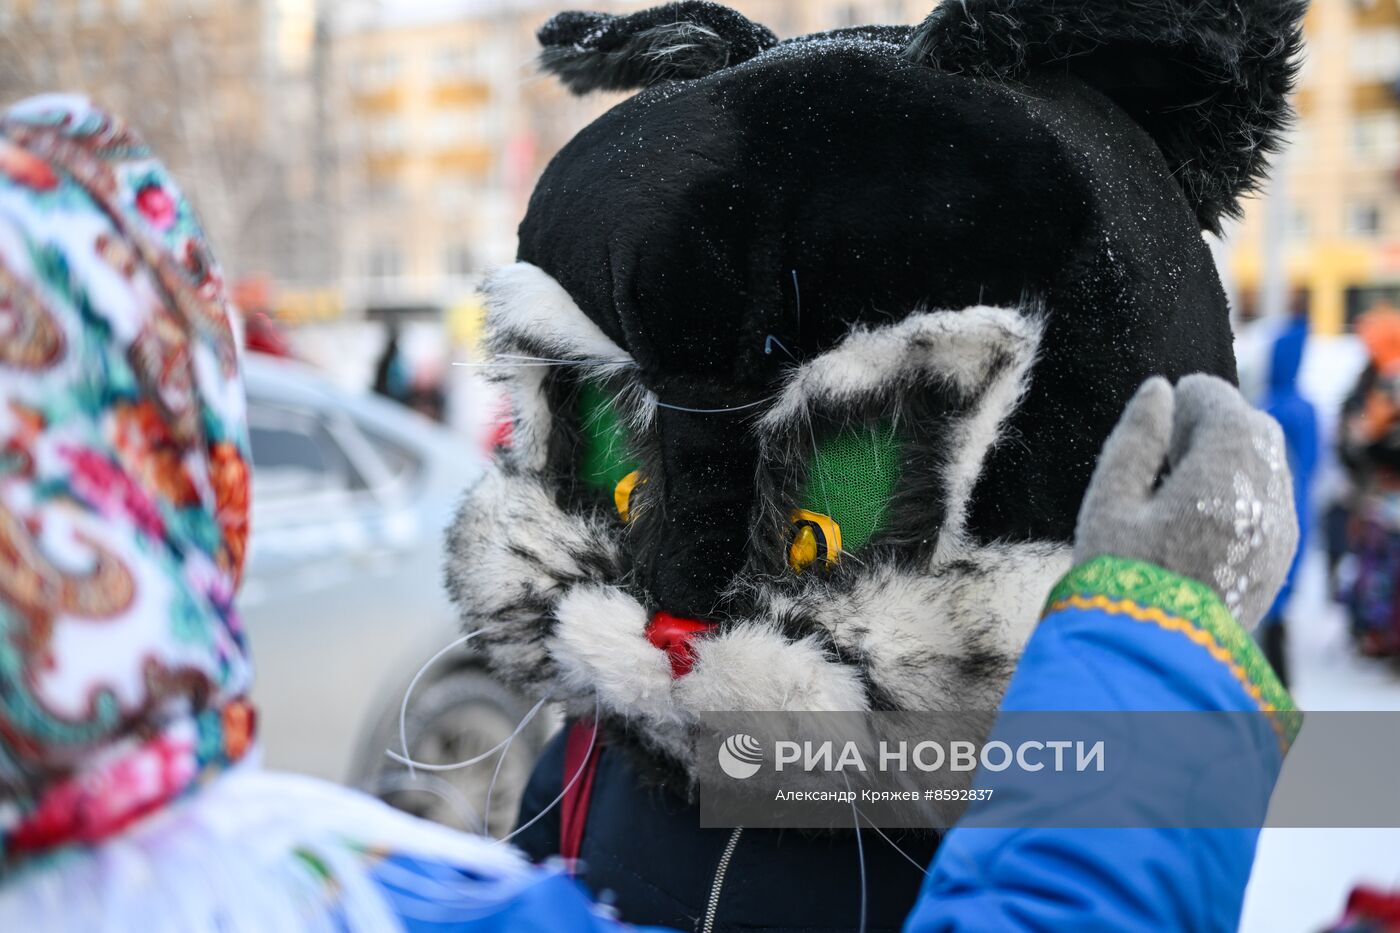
(600, 643)
(901, 626)
(754, 668)
(911, 630)
(1030, 572)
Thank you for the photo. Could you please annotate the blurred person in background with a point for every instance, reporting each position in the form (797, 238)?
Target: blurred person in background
(1370, 451)
(392, 374)
(130, 796)
(428, 395)
(1298, 418)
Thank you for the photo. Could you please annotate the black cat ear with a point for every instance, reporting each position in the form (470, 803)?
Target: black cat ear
(675, 42)
(1208, 79)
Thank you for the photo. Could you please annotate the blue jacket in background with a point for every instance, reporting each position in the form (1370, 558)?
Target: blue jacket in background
(1298, 418)
(1124, 636)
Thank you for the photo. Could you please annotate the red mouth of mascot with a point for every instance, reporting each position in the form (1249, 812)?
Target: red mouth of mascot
(674, 635)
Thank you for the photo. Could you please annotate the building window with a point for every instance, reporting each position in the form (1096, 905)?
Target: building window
(458, 126)
(458, 261)
(381, 190)
(849, 14)
(452, 63)
(1248, 306)
(387, 135)
(1363, 219)
(1363, 298)
(1374, 53)
(454, 191)
(1298, 147)
(1375, 138)
(385, 263)
(1299, 223)
(378, 73)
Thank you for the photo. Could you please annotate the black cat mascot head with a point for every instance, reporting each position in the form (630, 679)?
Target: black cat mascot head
(812, 344)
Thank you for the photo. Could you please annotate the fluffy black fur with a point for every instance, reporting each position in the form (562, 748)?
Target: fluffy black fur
(1208, 79)
(679, 41)
(831, 183)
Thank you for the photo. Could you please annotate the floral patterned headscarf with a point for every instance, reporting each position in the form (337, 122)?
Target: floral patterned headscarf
(123, 486)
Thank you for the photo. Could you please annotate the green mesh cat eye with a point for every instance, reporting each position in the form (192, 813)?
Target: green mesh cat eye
(852, 478)
(604, 458)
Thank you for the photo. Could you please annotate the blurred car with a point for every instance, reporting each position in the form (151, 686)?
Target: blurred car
(344, 602)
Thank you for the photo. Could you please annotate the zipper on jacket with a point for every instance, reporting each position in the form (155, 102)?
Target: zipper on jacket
(712, 909)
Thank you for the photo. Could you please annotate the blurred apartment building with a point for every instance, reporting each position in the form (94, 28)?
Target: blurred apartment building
(446, 125)
(362, 155)
(442, 129)
(221, 89)
(347, 156)
(1325, 235)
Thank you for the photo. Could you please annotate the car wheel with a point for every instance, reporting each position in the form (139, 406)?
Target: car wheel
(458, 717)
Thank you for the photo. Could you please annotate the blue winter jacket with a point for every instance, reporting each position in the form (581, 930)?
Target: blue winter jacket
(1121, 635)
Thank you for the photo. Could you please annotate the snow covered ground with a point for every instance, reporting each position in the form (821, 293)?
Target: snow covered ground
(1302, 876)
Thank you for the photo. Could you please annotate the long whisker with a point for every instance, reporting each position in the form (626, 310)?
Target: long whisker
(516, 360)
(491, 788)
(893, 845)
(548, 359)
(847, 555)
(403, 707)
(503, 365)
(860, 851)
(773, 341)
(583, 766)
(797, 289)
(711, 411)
(597, 414)
(405, 760)
(817, 462)
(402, 782)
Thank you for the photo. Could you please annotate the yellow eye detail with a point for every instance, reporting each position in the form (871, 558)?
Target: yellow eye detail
(622, 494)
(816, 537)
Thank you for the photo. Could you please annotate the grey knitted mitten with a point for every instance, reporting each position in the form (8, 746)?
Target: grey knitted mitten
(1223, 510)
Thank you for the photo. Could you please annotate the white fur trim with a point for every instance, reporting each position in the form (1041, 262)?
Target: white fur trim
(1018, 339)
(961, 347)
(528, 311)
(525, 304)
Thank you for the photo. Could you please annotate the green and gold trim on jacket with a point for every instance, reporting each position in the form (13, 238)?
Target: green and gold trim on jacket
(1148, 593)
